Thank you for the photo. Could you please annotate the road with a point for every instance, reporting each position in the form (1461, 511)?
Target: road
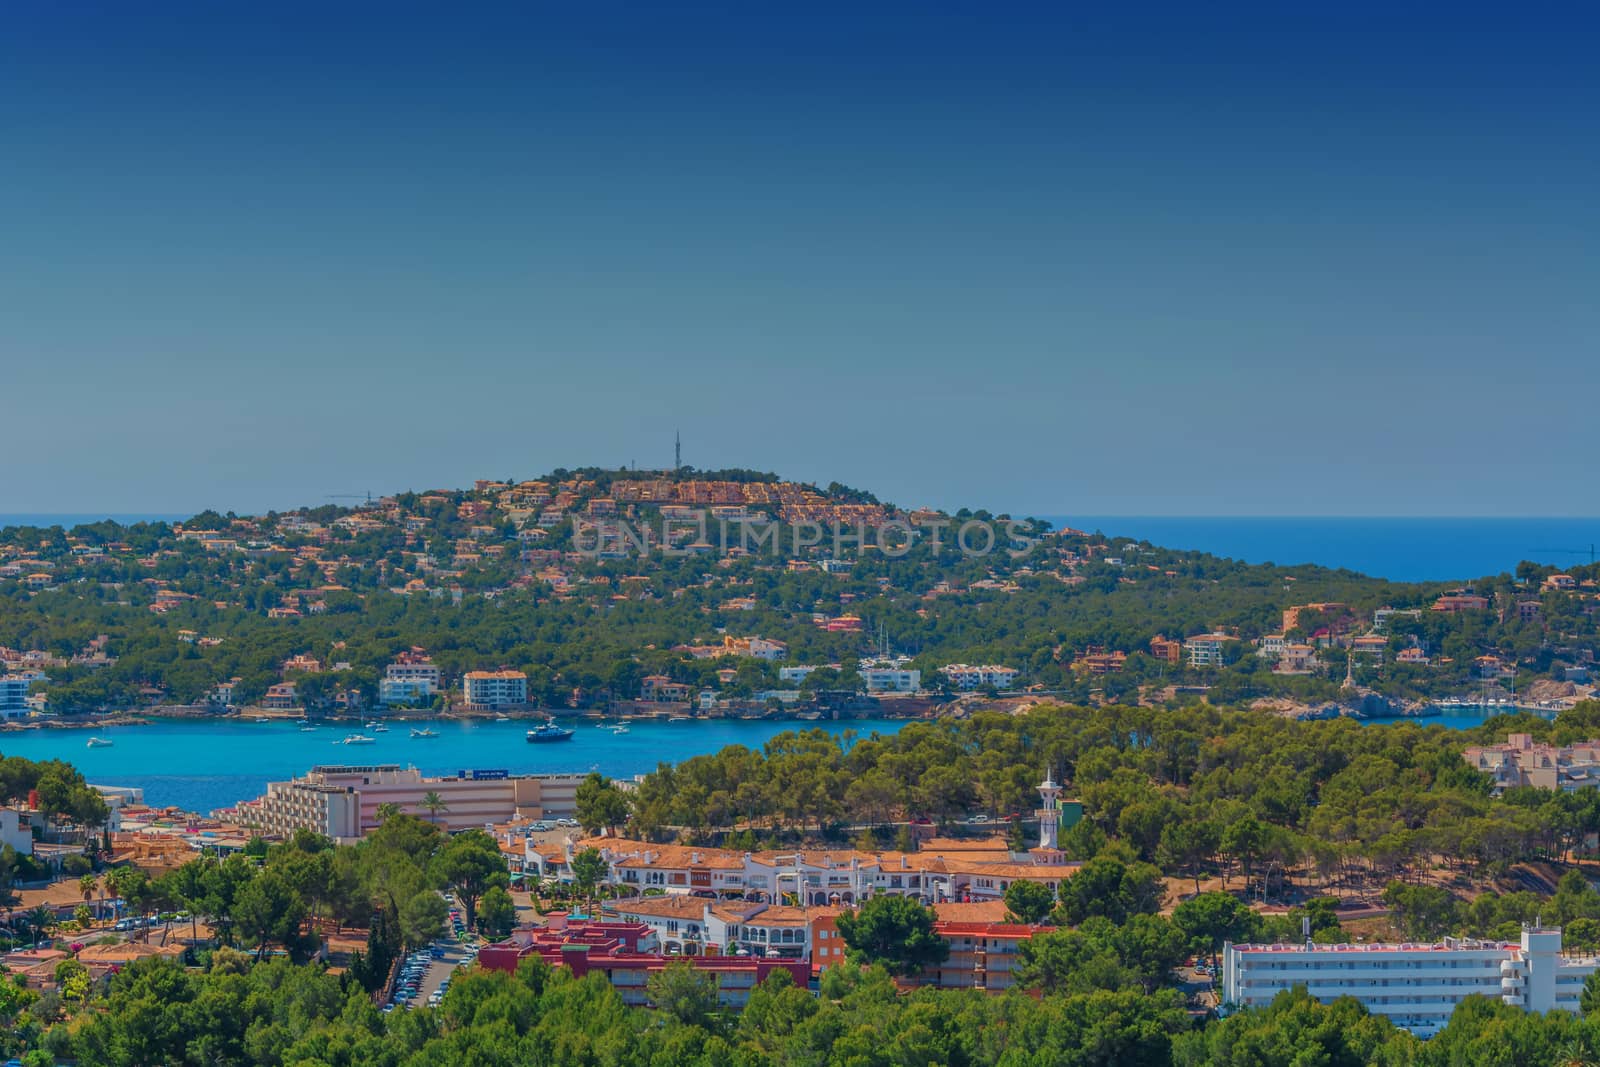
(439, 970)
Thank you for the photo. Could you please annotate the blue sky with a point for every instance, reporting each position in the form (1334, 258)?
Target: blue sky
(1055, 261)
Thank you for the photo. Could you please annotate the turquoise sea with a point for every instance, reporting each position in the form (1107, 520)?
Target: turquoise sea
(1400, 549)
(201, 765)
(208, 764)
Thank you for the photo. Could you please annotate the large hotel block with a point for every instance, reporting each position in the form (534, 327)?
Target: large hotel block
(342, 802)
(1414, 986)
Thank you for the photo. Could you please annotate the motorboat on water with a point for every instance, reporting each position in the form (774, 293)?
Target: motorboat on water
(424, 732)
(308, 729)
(378, 727)
(502, 718)
(620, 728)
(359, 739)
(100, 742)
(548, 731)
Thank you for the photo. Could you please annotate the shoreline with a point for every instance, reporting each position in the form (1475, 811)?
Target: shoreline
(185, 713)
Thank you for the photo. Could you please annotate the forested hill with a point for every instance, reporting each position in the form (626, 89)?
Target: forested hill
(590, 581)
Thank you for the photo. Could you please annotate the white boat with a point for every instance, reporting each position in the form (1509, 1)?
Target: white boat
(100, 742)
(501, 718)
(380, 728)
(308, 729)
(424, 732)
(620, 728)
(359, 739)
(261, 718)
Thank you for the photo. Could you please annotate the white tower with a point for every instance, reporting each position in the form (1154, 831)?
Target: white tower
(1049, 812)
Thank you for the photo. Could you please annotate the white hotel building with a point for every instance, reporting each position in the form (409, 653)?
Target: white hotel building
(493, 690)
(1414, 986)
(409, 680)
(963, 676)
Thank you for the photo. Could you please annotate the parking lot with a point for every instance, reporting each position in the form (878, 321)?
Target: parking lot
(425, 974)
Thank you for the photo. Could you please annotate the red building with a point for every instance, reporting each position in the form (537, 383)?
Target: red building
(982, 955)
(623, 952)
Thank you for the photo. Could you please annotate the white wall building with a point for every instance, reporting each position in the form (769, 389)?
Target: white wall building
(404, 691)
(1414, 986)
(495, 689)
(1205, 650)
(963, 676)
(16, 831)
(891, 680)
(14, 697)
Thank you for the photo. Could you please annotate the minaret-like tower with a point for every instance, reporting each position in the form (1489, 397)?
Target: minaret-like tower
(1049, 812)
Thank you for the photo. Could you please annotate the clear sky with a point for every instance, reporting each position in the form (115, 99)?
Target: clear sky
(1052, 260)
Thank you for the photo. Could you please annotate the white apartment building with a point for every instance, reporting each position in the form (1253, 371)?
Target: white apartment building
(963, 676)
(494, 689)
(14, 697)
(1414, 986)
(342, 801)
(769, 650)
(794, 674)
(891, 680)
(1521, 761)
(1205, 650)
(693, 926)
(405, 691)
(408, 680)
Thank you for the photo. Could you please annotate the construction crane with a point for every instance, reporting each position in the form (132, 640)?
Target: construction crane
(351, 496)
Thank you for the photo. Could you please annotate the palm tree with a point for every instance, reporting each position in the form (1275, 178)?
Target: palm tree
(87, 885)
(433, 804)
(1577, 1052)
(386, 811)
(41, 919)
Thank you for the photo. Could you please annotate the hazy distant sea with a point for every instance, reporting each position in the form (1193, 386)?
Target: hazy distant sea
(69, 521)
(1407, 550)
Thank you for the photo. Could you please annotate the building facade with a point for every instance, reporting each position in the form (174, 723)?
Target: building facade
(1205, 650)
(343, 801)
(891, 680)
(412, 678)
(604, 948)
(1414, 986)
(494, 689)
(14, 697)
(1520, 761)
(964, 676)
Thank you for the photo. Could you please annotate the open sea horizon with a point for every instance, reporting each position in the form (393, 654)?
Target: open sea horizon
(1399, 549)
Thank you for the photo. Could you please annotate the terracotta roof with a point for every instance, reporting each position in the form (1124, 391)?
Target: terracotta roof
(1015, 931)
(676, 906)
(978, 911)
